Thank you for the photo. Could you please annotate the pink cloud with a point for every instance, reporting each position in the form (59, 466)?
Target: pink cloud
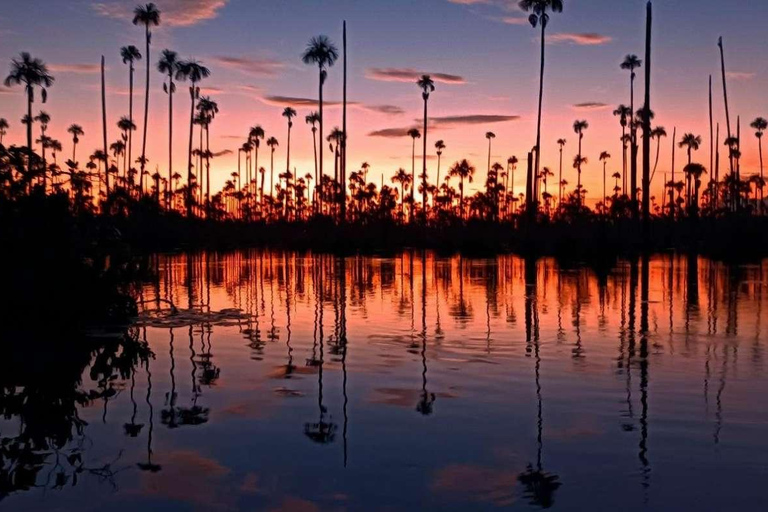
(75, 68)
(740, 75)
(174, 13)
(263, 67)
(410, 75)
(582, 39)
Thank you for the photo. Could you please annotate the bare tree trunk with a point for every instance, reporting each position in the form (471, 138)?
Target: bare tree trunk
(647, 124)
(104, 121)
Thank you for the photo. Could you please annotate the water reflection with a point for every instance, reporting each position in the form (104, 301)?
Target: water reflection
(416, 373)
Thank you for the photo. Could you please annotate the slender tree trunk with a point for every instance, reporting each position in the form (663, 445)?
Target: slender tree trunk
(288, 171)
(538, 122)
(424, 158)
(343, 212)
(320, 138)
(711, 138)
(647, 124)
(104, 122)
(130, 116)
(717, 166)
(632, 147)
(727, 114)
(189, 153)
(672, 181)
(760, 149)
(208, 168)
(314, 147)
(170, 138)
(30, 150)
(146, 118)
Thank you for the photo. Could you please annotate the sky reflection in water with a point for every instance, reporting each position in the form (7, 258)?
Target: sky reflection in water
(288, 382)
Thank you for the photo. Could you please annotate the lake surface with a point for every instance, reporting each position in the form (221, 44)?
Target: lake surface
(277, 381)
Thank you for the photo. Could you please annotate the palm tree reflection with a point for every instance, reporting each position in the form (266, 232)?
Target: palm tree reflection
(539, 485)
(427, 401)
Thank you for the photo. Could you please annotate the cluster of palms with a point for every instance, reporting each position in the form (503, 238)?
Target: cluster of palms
(109, 180)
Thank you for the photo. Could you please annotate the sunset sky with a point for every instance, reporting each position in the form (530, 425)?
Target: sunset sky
(482, 53)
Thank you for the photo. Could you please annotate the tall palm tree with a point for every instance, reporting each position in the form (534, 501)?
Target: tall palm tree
(3, 128)
(207, 109)
(289, 114)
(76, 131)
(43, 118)
(255, 136)
(404, 179)
(692, 143)
(604, 157)
(657, 133)
(30, 72)
(578, 128)
(149, 16)
(195, 72)
(414, 134)
(169, 65)
(272, 143)
(624, 113)
(126, 126)
(464, 171)
(312, 119)
(321, 52)
(630, 63)
(561, 143)
(130, 54)
(539, 16)
(760, 125)
(427, 86)
(490, 136)
(439, 146)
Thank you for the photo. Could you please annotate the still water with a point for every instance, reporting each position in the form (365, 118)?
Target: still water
(285, 382)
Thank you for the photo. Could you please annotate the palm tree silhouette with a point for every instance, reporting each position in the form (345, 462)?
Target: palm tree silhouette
(169, 65)
(321, 52)
(630, 63)
(657, 133)
(3, 128)
(427, 86)
(289, 114)
(30, 72)
(490, 136)
(255, 136)
(464, 171)
(193, 71)
(604, 157)
(272, 143)
(130, 54)
(207, 109)
(578, 128)
(692, 143)
(414, 134)
(312, 119)
(561, 143)
(624, 113)
(147, 15)
(759, 124)
(404, 179)
(439, 146)
(539, 15)
(76, 131)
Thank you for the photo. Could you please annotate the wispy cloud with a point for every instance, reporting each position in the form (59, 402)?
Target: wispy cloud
(390, 110)
(471, 119)
(174, 13)
(436, 123)
(590, 105)
(297, 102)
(75, 68)
(390, 133)
(509, 20)
(469, 2)
(5, 90)
(740, 75)
(253, 66)
(410, 75)
(582, 39)
(212, 90)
